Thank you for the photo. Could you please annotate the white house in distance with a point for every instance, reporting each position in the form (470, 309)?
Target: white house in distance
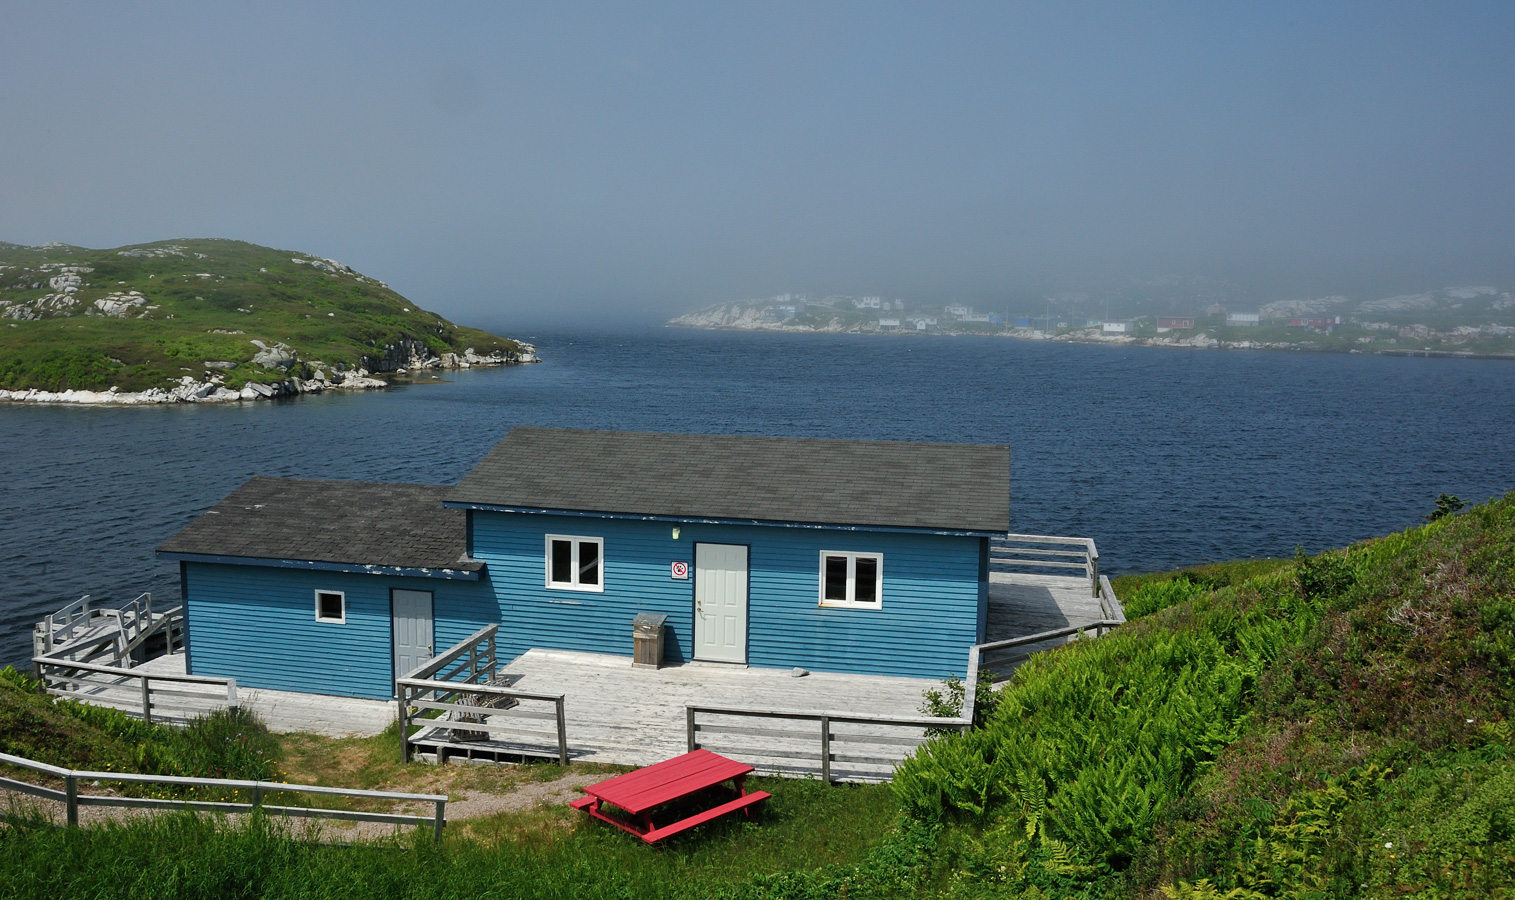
(1242, 319)
(1115, 328)
(959, 311)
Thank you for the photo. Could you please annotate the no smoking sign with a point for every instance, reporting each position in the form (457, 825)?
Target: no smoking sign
(679, 570)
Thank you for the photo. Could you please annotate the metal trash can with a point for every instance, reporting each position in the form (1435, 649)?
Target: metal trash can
(647, 640)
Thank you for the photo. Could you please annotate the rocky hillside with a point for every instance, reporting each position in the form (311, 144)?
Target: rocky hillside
(211, 320)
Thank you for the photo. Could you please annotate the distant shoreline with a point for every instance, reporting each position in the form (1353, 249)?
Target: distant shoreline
(1200, 341)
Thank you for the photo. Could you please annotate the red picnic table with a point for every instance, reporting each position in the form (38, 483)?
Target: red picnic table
(640, 792)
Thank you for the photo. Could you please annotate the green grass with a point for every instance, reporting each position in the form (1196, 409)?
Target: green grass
(809, 836)
(257, 291)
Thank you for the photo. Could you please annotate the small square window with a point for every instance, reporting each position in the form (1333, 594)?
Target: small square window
(331, 606)
(574, 563)
(852, 579)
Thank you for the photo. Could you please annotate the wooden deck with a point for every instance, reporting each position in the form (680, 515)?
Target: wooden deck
(1021, 604)
(288, 711)
(618, 714)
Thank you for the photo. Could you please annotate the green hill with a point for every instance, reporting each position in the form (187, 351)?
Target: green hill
(148, 315)
(1335, 727)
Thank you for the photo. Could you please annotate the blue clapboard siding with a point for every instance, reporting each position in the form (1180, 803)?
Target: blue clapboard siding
(258, 625)
(929, 618)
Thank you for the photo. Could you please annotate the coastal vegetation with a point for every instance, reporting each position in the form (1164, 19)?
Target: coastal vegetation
(228, 312)
(1336, 725)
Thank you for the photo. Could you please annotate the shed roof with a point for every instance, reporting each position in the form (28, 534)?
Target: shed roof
(357, 523)
(880, 484)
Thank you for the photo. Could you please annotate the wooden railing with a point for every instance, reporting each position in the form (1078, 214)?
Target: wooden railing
(70, 797)
(84, 632)
(806, 746)
(1047, 552)
(456, 701)
(153, 696)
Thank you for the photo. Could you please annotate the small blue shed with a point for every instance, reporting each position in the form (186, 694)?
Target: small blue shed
(845, 556)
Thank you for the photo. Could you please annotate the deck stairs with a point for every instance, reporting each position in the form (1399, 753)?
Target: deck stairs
(131, 633)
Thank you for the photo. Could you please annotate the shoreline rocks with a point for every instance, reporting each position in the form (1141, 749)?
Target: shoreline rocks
(213, 390)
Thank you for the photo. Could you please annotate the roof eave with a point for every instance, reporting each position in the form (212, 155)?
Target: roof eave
(720, 520)
(311, 565)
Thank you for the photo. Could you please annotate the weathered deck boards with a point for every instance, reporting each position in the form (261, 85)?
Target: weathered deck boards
(617, 714)
(1027, 604)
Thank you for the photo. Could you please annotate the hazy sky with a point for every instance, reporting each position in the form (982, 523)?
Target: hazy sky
(514, 165)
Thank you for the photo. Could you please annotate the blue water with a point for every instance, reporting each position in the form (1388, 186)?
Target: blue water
(1166, 457)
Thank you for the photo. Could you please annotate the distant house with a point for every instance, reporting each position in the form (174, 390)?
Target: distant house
(979, 317)
(1025, 322)
(959, 311)
(1320, 323)
(1168, 323)
(1242, 319)
(889, 324)
(1116, 328)
(843, 556)
(923, 323)
(868, 303)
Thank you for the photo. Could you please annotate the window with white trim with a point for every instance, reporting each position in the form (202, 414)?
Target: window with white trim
(852, 579)
(331, 606)
(575, 563)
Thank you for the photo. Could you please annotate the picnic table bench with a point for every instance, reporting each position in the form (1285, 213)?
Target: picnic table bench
(642, 791)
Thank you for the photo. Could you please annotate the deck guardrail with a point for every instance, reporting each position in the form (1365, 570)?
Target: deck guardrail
(134, 691)
(796, 748)
(85, 632)
(1048, 552)
(70, 797)
(456, 699)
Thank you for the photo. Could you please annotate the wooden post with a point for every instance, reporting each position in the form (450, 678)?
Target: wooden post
(826, 749)
(439, 822)
(147, 702)
(257, 795)
(562, 734)
(231, 693)
(689, 741)
(1094, 574)
(404, 725)
(71, 795)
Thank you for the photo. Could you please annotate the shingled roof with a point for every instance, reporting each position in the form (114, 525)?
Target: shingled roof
(947, 487)
(360, 523)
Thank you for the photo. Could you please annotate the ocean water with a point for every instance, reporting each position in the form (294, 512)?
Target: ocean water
(1166, 457)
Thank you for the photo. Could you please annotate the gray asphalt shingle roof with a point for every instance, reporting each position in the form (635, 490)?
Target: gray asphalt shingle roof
(354, 522)
(950, 487)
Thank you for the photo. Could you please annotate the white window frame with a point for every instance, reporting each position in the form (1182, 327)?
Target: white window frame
(851, 602)
(340, 620)
(576, 540)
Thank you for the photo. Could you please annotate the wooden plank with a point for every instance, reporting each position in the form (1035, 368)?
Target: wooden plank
(36, 790)
(744, 802)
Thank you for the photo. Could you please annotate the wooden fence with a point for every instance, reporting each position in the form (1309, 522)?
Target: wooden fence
(70, 797)
(458, 704)
(1041, 551)
(154, 697)
(795, 741)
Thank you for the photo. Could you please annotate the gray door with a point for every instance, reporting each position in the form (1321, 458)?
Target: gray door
(413, 640)
(720, 602)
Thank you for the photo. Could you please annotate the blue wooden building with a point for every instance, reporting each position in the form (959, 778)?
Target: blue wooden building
(845, 556)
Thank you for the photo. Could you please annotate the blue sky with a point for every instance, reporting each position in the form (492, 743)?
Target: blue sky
(575, 163)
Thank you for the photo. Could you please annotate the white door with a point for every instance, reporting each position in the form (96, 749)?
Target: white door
(720, 602)
(413, 640)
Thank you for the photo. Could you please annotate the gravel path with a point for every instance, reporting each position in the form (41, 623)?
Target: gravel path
(468, 805)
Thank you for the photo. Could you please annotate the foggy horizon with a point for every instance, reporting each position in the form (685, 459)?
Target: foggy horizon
(588, 165)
